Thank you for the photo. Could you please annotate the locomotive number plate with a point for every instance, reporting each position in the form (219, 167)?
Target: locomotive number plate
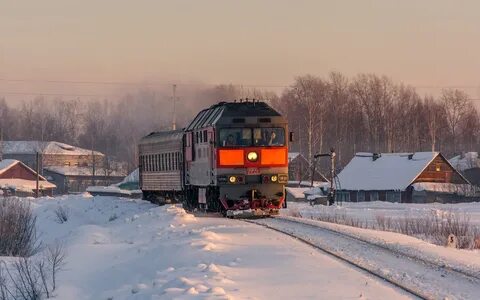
(253, 171)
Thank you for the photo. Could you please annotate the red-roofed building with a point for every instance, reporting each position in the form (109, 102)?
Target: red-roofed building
(17, 179)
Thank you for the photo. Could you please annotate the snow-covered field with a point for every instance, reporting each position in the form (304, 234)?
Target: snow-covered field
(367, 211)
(130, 249)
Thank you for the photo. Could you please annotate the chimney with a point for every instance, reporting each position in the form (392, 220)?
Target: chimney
(375, 156)
(410, 156)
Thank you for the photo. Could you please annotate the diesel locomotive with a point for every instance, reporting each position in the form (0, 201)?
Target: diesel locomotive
(231, 158)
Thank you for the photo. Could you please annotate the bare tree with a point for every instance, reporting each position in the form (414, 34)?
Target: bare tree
(456, 105)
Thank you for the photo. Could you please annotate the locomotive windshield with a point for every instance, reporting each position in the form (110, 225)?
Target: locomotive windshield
(245, 137)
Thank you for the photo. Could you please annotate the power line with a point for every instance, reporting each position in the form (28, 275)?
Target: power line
(157, 83)
(140, 83)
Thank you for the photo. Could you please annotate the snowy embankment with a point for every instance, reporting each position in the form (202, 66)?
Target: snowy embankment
(367, 211)
(464, 260)
(130, 249)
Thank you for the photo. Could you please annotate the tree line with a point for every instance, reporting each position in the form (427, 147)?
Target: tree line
(371, 113)
(363, 113)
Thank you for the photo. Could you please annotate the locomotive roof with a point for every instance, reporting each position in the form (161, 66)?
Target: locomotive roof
(211, 115)
(162, 136)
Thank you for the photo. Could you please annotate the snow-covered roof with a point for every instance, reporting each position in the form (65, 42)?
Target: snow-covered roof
(293, 155)
(390, 171)
(6, 164)
(465, 161)
(130, 178)
(32, 147)
(83, 171)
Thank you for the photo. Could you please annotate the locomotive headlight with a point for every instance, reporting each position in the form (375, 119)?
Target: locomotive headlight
(232, 179)
(252, 156)
(274, 178)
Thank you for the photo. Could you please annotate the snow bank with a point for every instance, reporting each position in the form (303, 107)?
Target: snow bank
(131, 249)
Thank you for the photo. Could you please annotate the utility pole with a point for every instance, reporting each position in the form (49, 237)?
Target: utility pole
(332, 155)
(1, 144)
(37, 156)
(174, 98)
(331, 194)
(93, 164)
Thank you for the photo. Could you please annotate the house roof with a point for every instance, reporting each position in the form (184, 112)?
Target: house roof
(52, 147)
(390, 171)
(7, 164)
(293, 155)
(465, 161)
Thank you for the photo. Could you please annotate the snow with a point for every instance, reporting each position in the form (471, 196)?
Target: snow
(130, 178)
(112, 189)
(391, 171)
(404, 259)
(460, 189)
(24, 184)
(52, 147)
(130, 249)
(6, 164)
(368, 211)
(465, 161)
(293, 155)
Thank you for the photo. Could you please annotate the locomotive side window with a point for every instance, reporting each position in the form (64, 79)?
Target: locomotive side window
(205, 136)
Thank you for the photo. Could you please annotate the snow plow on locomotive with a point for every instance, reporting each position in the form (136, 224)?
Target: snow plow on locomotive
(233, 158)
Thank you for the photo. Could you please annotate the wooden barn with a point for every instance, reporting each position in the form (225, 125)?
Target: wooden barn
(17, 179)
(418, 177)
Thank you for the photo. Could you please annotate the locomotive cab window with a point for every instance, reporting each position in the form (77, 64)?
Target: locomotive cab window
(269, 136)
(234, 137)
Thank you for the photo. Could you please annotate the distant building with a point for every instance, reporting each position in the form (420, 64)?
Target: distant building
(70, 168)
(76, 179)
(51, 154)
(17, 179)
(403, 177)
(469, 165)
(299, 169)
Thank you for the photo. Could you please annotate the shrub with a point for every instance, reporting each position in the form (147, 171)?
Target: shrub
(29, 278)
(62, 214)
(18, 235)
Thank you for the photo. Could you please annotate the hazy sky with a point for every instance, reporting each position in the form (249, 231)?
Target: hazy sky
(423, 43)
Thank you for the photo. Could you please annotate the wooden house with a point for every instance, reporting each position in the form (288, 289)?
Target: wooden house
(17, 179)
(403, 177)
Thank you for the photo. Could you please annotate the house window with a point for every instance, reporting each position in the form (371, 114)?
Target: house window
(374, 196)
(360, 196)
(438, 167)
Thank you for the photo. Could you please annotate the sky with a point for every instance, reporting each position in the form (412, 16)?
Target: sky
(429, 44)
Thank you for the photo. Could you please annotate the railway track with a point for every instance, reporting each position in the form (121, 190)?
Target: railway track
(416, 277)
